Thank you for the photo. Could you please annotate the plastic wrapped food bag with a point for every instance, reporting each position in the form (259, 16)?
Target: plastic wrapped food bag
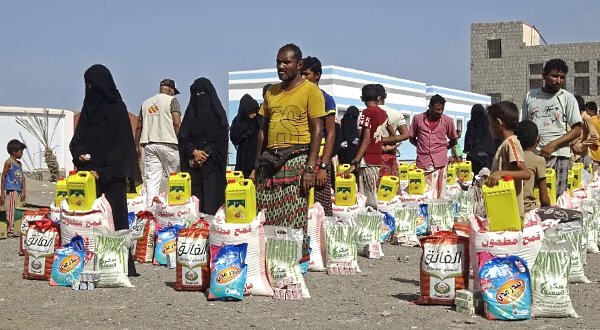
(506, 289)
(369, 223)
(406, 230)
(228, 272)
(284, 248)
(112, 257)
(340, 242)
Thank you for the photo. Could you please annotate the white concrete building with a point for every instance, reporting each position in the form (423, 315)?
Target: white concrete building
(60, 141)
(344, 85)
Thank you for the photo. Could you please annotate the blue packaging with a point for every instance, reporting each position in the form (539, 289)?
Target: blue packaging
(166, 243)
(505, 288)
(228, 273)
(131, 218)
(68, 262)
(389, 225)
(422, 220)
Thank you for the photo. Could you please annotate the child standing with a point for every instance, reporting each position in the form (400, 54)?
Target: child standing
(457, 150)
(373, 122)
(527, 133)
(509, 160)
(13, 180)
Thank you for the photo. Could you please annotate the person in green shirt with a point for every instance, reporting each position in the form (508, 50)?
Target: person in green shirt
(457, 151)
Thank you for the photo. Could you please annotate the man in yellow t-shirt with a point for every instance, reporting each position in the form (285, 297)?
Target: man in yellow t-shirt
(288, 146)
(591, 108)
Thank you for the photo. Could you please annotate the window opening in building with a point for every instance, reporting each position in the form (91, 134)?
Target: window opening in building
(407, 119)
(459, 125)
(536, 68)
(496, 97)
(494, 48)
(536, 83)
(598, 84)
(582, 86)
(582, 67)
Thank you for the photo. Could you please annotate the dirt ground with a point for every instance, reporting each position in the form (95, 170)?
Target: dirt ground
(378, 298)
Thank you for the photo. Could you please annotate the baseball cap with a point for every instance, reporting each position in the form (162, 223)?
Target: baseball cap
(169, 83)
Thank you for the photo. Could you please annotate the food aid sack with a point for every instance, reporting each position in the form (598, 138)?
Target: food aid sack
(578, 195)
(564, 201)
(166, 243)
(506, 289)
(345, 212)
(112, 257)
(143, 235)
(422, 220)
(54, 213)
(406, 229)
(316, 236)
(408, 198)
(388, 227)
(193, 256)
(368, 224)
(550, 216)
(283, 252)
(138, 203)
(228, 272)
(340, 235)
(525, 243)
(41, 240)
(441, 217)
(572, 232)
(550, 281)
(223, 233)
(461, 229)
(590, 211)
(68, 262)
(169, 215)
(29, 216)
(82, 223)
(465, 203)
(444, 268)
(388, 206)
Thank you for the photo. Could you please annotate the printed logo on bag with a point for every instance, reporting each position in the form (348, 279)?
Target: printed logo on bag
(40, 244)
(69, 263)
(442, 288)
(510, 292)
(228, 274)
(191, 276)
(420, 220)
(169, 248)
(443, 260)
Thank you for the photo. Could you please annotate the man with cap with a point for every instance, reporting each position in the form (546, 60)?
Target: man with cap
(158, 125)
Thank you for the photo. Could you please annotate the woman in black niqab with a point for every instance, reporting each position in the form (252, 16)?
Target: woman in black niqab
(104, 133)
(349, 136)
(479, 144)
(244, 134)
(203, 144)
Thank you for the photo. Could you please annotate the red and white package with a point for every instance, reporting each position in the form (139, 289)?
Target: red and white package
(315, 232)
(193, 273)
(29, 216)
(444, 268)
(143, 234)
(169, 215)
(41, 240)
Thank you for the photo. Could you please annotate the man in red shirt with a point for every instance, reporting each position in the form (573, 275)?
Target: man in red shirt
(373, 123)
(430, 132)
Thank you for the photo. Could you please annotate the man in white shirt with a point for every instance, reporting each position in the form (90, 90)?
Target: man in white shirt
(390, 151)
(158, 125)
(553, 110)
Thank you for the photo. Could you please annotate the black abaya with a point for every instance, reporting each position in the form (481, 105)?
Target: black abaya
(349, 130)
(204, 127)
(479, 144)
(104, 133)
(244, 134)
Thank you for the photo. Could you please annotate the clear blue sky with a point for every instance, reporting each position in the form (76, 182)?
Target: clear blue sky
(45, 46)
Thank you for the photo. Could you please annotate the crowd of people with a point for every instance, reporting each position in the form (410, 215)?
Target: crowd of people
(291, 142)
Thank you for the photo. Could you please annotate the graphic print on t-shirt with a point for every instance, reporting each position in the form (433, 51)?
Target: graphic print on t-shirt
(291, 122)
(546, 117)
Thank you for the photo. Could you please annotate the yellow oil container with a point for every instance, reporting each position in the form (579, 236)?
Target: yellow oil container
(342, 168)
(577, 168)
(570, 179)
(311, 197)
(466, 171)
(550, 184)
(180, 188)
(501, 205)
(416, 181)
(451, 174)
(62, 192)
(235, 175)
(82, 191)
(345, 190)
(388, 188)
(240, 201)
(413, 166)
(322, 147)
(403, 171)
(136, 194)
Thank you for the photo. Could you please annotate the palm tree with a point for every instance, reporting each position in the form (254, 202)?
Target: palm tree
(38, 126)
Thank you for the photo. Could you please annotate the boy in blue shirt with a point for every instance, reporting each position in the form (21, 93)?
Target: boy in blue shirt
(13, 180)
